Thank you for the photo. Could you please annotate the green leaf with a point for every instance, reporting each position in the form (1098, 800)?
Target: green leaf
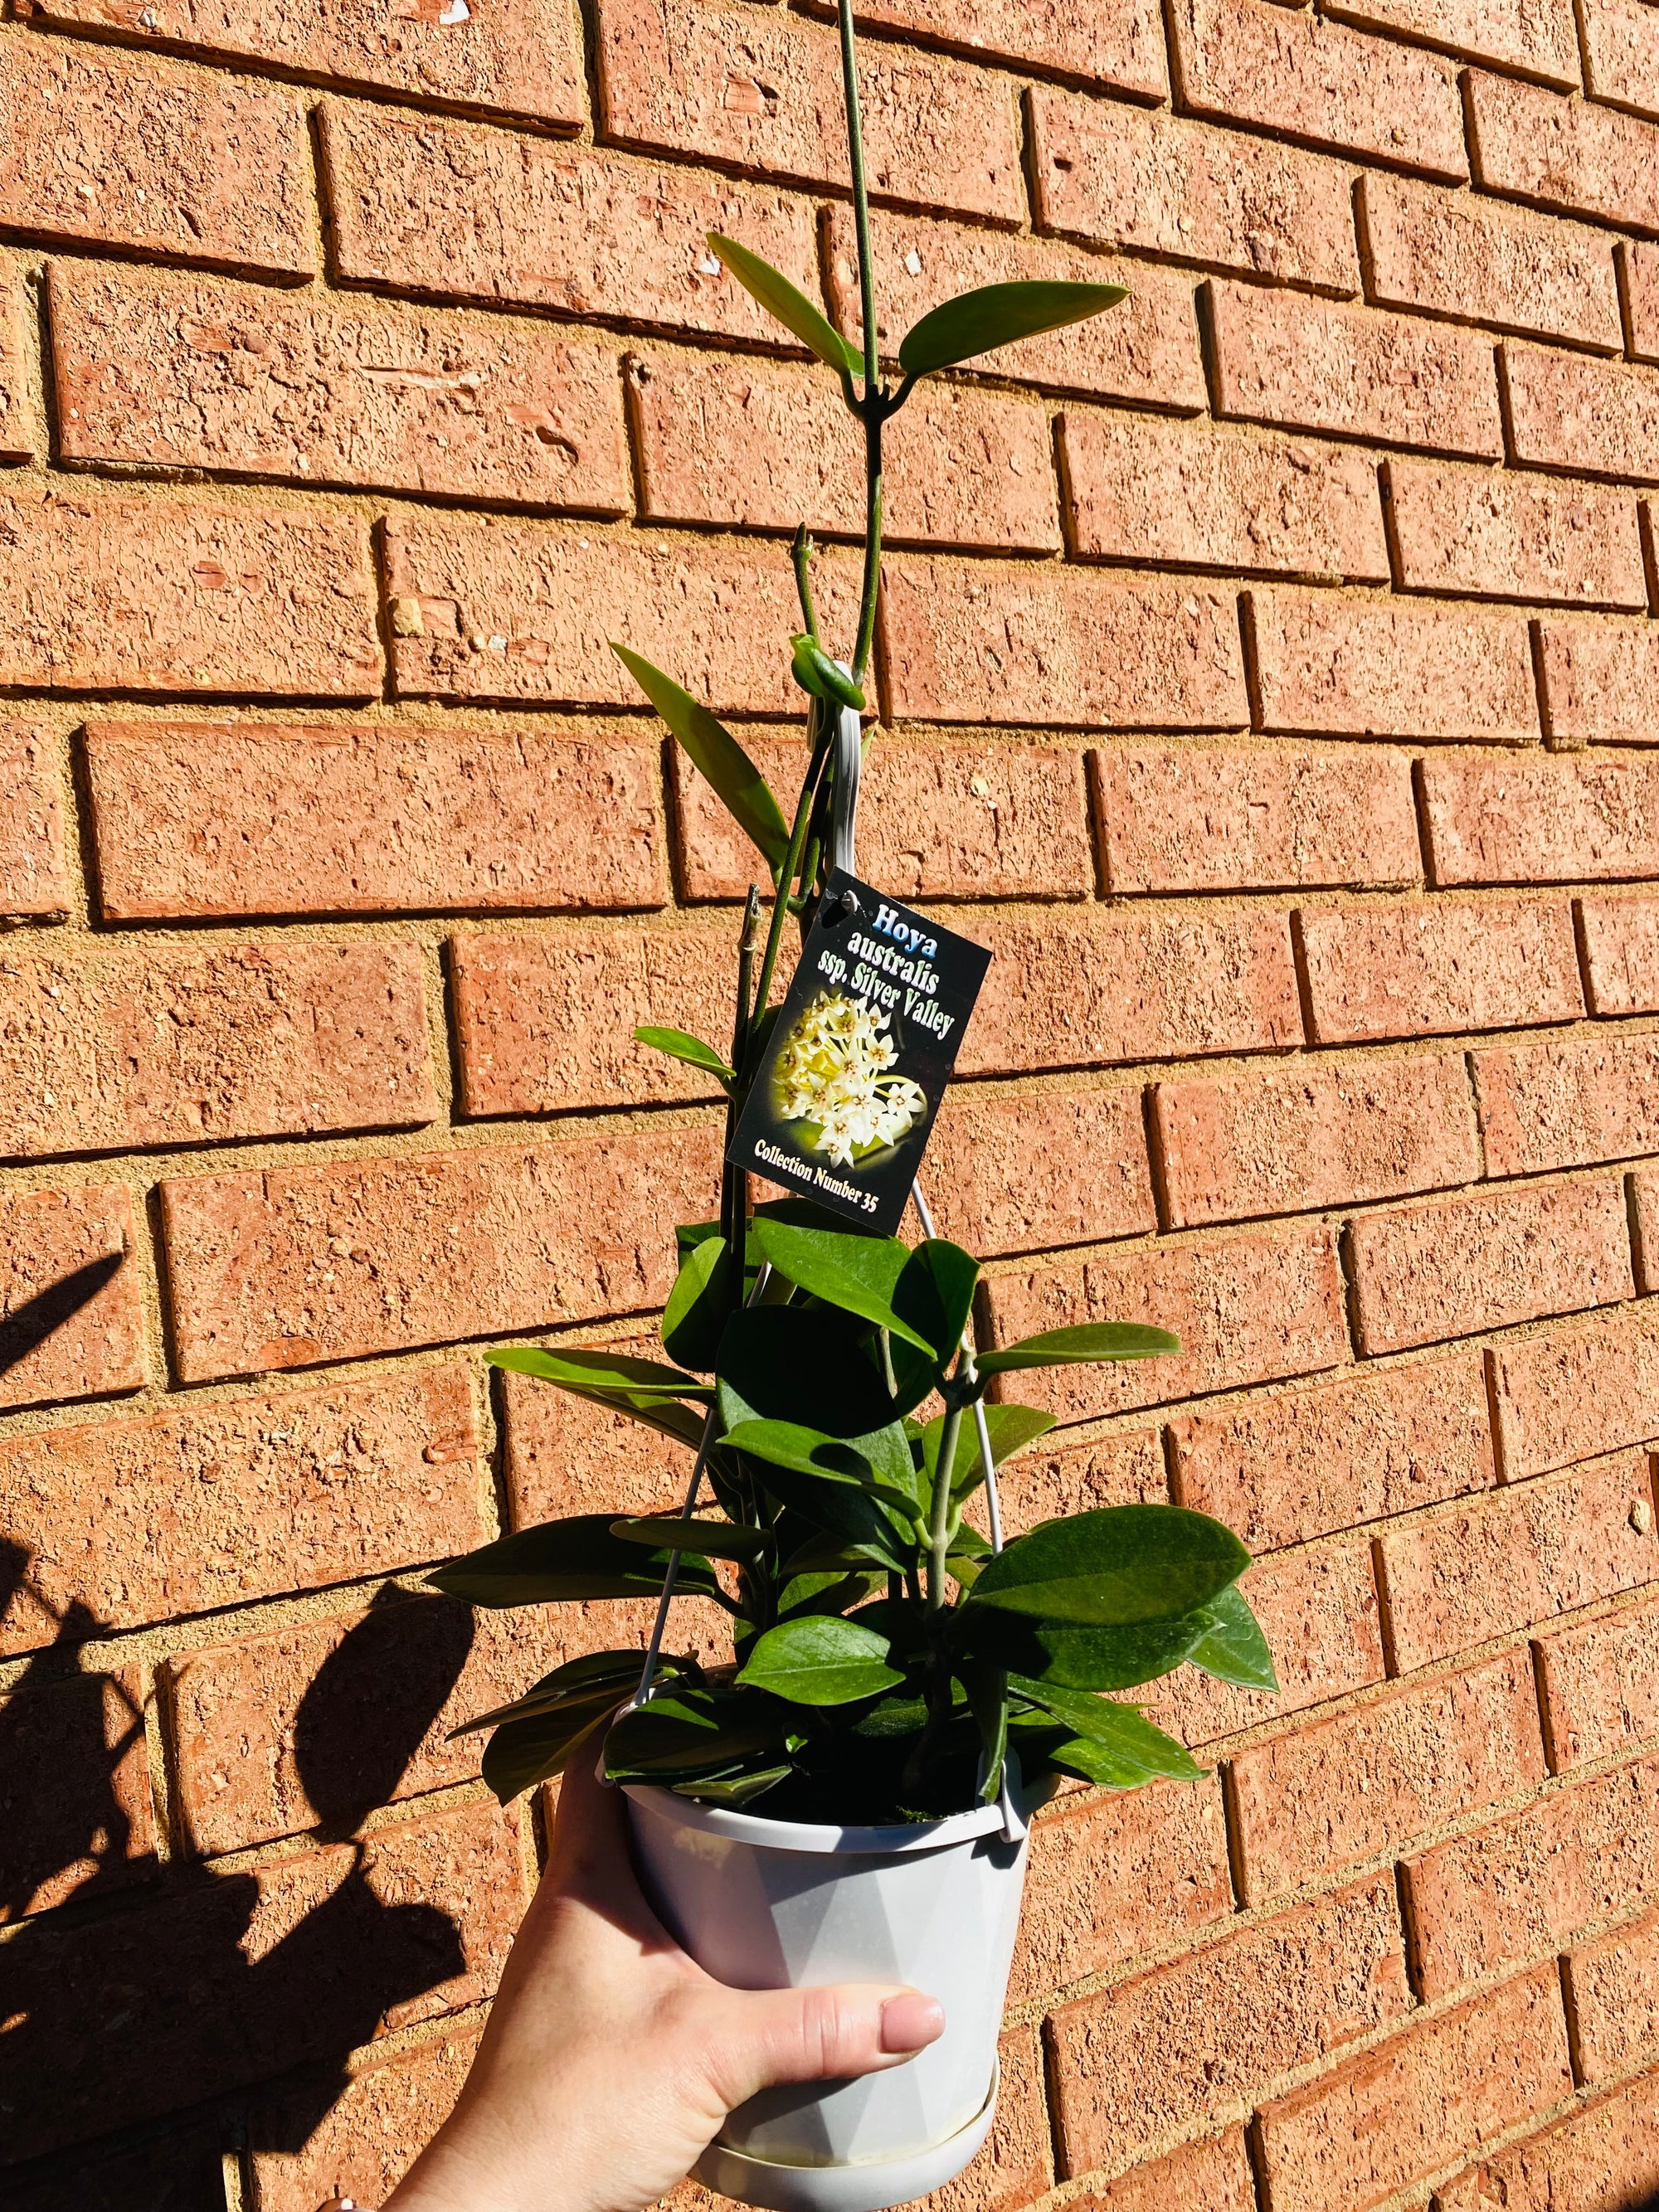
(1010, 1427)
(1233, 1647)
(814, 1367)
(523, 1753)
(820, 1661)
(703, 1539)
(563, 1562)
(822, 677)
(747, 795)
(1125, 1765)
(1116, 1566)
(737, 1790)
(997, 315)
(807, 1451)
(793, 308)
(827, 1593)
(859, 1274)
(684, 1733)
(680, 1044)
(935, 1293)
(1123, 1729)
(614, 1373)
(699, 1305)
(988, 1701)
(1081, 1658)
(1063, 1347)
(655, 1407)
(596, 1673)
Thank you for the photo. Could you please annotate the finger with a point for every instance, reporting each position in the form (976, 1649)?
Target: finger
(758, 2038)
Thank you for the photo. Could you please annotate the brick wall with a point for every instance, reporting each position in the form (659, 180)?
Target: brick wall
(1267, 673)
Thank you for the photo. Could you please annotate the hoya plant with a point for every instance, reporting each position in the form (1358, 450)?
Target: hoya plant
(886, 1657)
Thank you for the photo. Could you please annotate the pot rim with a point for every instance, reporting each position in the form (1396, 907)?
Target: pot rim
(905, 1839)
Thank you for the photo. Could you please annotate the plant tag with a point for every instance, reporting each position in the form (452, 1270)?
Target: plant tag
(859, 1055)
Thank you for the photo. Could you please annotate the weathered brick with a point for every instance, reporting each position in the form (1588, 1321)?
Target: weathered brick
(1498, 536)
(190, 372)
(1568, 1103)
(1031, 1171)
(1113, 1876)
(33, 879)
(1120, 43)
(1455, 253)
(763, 94)
(71, 1310)
(1572, 1392)
(1569, 154)
(1542, 820)
(494, 610)
(1596, 418)
(429, 206)
(1214, 819)
(1246, 1307)
(1196, 2042)
(1068, 989)
(18, 430)
(1613, 1990)
(103, 591)
(111, 1050)
(1243, 61)
(765, 445)
(1602, 2156)
(1055, 646)
(1434, 965)
(1125, 1468)
(1390, 2118)
(1300, 1463)
(1517, 1557)
(1231, 1146)
(1644, 1189)
(376, 2124)
(1537, 37)
(287, 1267)
(935, 821)
(233, 1978)
(565, 1455)
(1596, 677)
(1146, 349)
(1621, 54)
(192, 820)
(1384, 668)
(1498, 1898)
(1433, 1753)
(1157, 492)
(1159, 184)
(75, 1816)
(1453, 1266)
(155, 158)
(1639, 264)
(1599, 1685)
(1619, 941)
(137, 1521)
(1321, 365)
(179, 2172)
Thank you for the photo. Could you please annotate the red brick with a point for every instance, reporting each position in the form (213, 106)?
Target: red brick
(1113, 1876)
(1613, 1986)
(1121, 1468)
(1644, 1189)
(1568, 1103)
(75, 1817)
(1621, 54)
(1068, 989)
(1185, 818)
(1320, 365)
(936, 821)
(526, 62)
(1247, 1308)
(1493, 1899)
(1241, 61)
(1572, 1392)
(493, 609)
(1434, 965)
(1231, 1146)
(765, 445)
(1383, 668)
(189, 372)
(1390, 2118)
(1453, 254)
(17, 424)
(1595, 676)
(1158, 493)
(563, 1454)
(374, 2126)
(1119, 42)
(137, 1520)
(424, 205)
(1280, 1469)
(175, 2172)
(237, 818)
(33, 879)
(72, 1324)
(1159, 184)
(1053, 646)
(112, 1050)
(1498, 536)
(1599, 1685)
(1569, 154)
(1595, 418)
(1640, 268)
(1537, 37)
(233, 1978)
(1501, 1255)
(1542, 820)
(1145, 350)
(112, 149)
(763, 94)
(1031, 1171)
(1619, 939)
(1211, 2175)
(1196, 2042)
(105, 593)
(1428, 1754)
(287, 1267)
(1602, 2157)
(1516, 1557)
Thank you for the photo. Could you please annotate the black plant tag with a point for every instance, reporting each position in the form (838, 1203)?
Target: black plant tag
(859, 1055)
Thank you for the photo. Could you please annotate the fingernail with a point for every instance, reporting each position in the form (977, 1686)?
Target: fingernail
(911, 2022)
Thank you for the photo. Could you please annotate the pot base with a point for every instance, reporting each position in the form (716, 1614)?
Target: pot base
(870, 2186)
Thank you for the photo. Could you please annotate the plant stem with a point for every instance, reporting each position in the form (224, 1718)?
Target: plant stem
(802, 553)
(849, 77)
(823, 738)
(938, 1543)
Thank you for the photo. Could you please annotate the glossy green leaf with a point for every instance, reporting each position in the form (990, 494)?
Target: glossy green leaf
(808, 1451)
(1063, 1347)
(814, 1367)
(1122, 1729)
(1010, 1426)
(699, 1305)
(1116, 1566)
(704, 1540)
(1233, 1647)
(561, 1562)
(736, 1790)
(858, 1274)
(680, 1044)
(595, 1674)
(997, 315)
(523, 1753)
(847, 1514)
(820, 1661)
(935, 1293)
(615, 1373)
(792, 308)
(683, 1733)
(822, 677)
(1127, 1765)
(657, 1408)
(1079, 1657)
(745, 792)
(988, 1700)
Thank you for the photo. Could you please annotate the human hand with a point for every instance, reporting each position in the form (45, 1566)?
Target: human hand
(612, 2059)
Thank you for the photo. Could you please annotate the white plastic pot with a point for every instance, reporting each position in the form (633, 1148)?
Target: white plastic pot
(775, 1905)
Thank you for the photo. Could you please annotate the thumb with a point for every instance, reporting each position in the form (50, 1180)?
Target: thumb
(758, 2037)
